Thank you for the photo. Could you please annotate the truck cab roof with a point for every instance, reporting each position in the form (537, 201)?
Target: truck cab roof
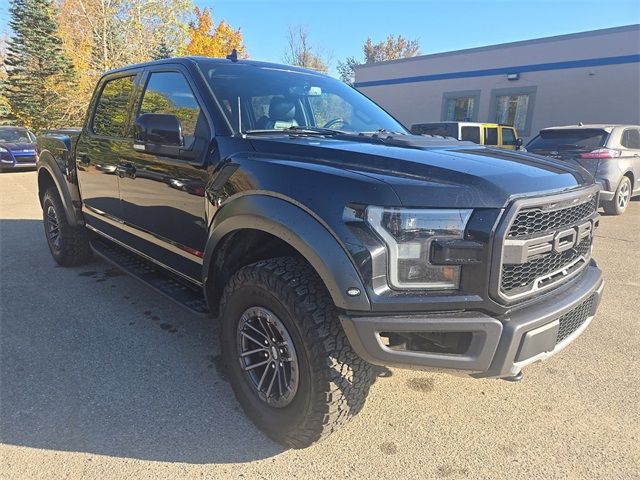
(191, 60)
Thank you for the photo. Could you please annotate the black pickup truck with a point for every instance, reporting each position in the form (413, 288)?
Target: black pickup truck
(322, 235)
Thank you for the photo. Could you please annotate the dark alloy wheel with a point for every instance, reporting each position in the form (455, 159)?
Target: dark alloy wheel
(53, 227)
(286, 355)
(69, 244)
(267, 356)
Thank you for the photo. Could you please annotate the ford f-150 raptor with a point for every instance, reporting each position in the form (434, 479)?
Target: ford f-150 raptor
(323, 236)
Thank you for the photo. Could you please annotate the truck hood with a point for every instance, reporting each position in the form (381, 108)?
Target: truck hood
(433, 171)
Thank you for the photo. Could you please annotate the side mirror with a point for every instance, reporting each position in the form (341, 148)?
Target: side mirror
(519, 143)
(157, 129)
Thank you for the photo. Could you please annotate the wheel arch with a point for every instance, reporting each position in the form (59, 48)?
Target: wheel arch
(631, 177)
(50, 175)
(277, 227)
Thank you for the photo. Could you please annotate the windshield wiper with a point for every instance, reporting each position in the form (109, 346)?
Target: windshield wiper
(381, 131)
(297, 130)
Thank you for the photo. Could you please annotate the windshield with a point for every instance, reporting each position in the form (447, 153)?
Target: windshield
(279, 99)
(568, 139)
(16, 135)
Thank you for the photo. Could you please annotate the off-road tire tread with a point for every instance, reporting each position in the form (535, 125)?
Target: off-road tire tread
(342, 376)
(76, 249)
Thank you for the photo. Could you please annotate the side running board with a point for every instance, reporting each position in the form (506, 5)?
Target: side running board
(163, 281)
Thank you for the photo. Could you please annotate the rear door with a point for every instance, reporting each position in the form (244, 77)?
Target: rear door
(491, 136)
(631, 155)
(162, 190)
(104, 141)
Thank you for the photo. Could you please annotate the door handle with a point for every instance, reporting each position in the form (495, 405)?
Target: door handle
(126, 170)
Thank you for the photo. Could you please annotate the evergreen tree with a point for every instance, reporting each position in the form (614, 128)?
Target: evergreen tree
(39, 76)
(5, 111)
(162, 51)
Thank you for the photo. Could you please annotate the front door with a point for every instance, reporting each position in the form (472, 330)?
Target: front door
(162, 193)
(508, 138)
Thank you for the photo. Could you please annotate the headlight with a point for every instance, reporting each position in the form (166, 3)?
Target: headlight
(3, 150)
(408, 235)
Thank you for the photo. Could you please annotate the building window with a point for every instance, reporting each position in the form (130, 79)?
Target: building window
(460, 106)
(460, 109)
(513, 106)
(512, 110)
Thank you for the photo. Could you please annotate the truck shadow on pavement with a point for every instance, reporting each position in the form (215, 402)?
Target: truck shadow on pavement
(93, 361)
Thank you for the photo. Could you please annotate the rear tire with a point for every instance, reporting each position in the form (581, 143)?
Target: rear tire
(328, 381)
(69, 245)
(620, 201)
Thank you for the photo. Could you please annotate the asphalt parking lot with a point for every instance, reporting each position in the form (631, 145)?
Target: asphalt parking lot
(103, 378)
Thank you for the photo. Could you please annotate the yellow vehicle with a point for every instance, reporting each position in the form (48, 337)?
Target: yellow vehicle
(490, 134)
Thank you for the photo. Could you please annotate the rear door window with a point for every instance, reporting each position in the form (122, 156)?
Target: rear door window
(631, 138)
(112, 110)
(471, 134)
(567, 139)
(491, 136)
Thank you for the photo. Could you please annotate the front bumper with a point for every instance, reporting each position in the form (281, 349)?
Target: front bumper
(8, 161)
(499, 346)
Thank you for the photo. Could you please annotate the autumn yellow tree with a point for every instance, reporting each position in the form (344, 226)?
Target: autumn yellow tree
(209, 40)
(99, 35)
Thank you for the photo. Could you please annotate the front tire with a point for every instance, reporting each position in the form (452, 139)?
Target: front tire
(279, 323)
(69, 245)
(620, 201)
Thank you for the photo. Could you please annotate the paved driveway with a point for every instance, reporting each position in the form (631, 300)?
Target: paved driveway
(103, 378)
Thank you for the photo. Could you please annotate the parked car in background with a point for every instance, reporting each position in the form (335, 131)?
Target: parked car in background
(489, 134)
(17, 148)
(611, 153)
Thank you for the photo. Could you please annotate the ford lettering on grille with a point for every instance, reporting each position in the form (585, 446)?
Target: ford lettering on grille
(523, 251)
(545, 244)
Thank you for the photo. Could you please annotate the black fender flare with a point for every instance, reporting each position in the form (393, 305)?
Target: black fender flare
(46, 162)
(302, 231)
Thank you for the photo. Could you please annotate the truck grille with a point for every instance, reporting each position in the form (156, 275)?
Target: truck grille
(518, 278)
(25, 158)
(571, 321)
(535, 220)
(545, 244)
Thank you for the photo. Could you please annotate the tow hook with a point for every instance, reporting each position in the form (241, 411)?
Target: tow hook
(515, 378)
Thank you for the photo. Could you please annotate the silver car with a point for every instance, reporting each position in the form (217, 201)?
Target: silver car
(611, 153)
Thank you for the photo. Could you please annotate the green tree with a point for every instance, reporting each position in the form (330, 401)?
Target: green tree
(392, 48)
(162, 51)
(5, 110)
(38, 72)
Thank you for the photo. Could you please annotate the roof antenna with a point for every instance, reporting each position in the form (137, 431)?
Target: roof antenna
(234, 56)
